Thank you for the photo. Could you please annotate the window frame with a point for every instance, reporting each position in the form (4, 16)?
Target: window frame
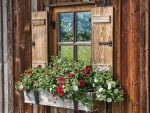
(54, 30)
(75, 44)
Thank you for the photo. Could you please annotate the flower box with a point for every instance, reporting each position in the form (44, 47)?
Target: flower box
(69, 80)
(46, 98)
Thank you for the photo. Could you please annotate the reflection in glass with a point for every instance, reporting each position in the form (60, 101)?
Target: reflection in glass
(84, 53)
(65, 27)
(66, 51)
(83, 29)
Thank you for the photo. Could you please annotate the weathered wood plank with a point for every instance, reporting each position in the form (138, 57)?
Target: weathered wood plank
(102, 31)
(10, 51)
(22, 47)
(132, 31)
(116, 107)
(40, 5)
(144, 57)
(34, 5)
(126, 54)
(7, 56)
(40, 38)
(136, 41)
(1, 64)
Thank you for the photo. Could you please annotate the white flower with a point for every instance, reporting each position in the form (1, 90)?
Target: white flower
(75, 88)
(116, 91)
(59, 60)
(93, 85)
(95, 80)
(109, 99)
(110, 84)
(98, 96)
(50, 89)
(100, 89)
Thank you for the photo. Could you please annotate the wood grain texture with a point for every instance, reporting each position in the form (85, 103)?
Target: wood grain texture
(116, 107)
(40, 38)
(10, 52)
(102, 32)
(40, 5)
(134, 43)
(1, 64)
(22, 47)
(144, 57)
(126, 55)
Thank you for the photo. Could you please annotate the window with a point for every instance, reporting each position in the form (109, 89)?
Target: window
(74, 36)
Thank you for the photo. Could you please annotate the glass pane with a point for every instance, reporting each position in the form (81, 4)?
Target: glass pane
(84, 53)
(65, 27)
(83, 29)
(66, 51)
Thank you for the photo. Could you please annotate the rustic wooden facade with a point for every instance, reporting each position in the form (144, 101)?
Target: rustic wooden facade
(131, 52)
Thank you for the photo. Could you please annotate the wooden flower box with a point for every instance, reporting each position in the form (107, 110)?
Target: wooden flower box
(46, 98)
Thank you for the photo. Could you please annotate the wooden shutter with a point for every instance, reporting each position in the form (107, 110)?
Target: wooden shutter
(39, 38)
(102, 32)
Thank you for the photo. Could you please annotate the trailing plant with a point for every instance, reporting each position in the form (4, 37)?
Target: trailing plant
(72, 80)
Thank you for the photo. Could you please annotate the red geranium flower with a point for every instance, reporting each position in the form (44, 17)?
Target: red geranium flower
(28, 72)
(60, 90)
(86, 70)
(61, 80)
(81, 82)
(39, 66)
(70, 75)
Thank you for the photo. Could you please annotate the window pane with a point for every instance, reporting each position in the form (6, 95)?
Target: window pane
(66, 51)
(83, 29)
(84, 53)
(65, 27)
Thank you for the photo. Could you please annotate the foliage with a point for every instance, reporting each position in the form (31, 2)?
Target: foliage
(70, 79)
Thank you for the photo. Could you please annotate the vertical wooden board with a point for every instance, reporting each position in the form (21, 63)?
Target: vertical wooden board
(144, 59)
(41, 109)
(130, 55)
(40, 5)
(22, 47)
(1, 64)
(116, 107)
(39, 38)
(102, 31)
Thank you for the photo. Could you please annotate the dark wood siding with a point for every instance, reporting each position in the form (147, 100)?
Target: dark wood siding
(131, 54)
(1, 62)
(22, 47)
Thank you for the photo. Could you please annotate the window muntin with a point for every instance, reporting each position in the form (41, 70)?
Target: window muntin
(75, 33)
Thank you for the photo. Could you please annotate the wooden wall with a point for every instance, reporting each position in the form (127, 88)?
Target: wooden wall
(1, 60)
(22, 47)
(131, 54)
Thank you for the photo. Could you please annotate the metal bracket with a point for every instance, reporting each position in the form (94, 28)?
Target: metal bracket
(36, 96)
(109, 43)
(33, 43)
(52, 23)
